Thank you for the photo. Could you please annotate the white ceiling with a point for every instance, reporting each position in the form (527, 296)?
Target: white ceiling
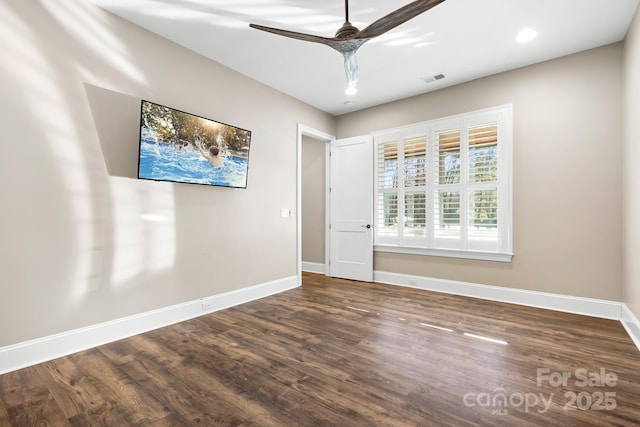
(463, 39)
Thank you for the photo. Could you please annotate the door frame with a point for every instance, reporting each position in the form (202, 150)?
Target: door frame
(304, 130)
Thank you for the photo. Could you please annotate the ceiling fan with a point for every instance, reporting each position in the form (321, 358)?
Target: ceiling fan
(348, 38)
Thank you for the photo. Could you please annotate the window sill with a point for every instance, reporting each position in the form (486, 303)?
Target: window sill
(483, 256)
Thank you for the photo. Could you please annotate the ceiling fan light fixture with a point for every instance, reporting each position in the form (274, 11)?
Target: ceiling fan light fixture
(526, 35)
(351, 90)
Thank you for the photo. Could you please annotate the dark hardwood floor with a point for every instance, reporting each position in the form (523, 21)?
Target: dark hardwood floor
(343, 353)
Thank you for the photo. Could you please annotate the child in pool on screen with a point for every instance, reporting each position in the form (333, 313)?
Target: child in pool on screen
(211, 155)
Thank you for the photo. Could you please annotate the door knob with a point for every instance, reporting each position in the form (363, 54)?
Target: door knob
(366, 226)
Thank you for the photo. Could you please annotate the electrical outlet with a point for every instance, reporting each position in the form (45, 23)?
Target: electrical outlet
(207, 305)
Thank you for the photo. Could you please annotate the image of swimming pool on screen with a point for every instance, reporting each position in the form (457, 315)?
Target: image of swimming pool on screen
(180, 147)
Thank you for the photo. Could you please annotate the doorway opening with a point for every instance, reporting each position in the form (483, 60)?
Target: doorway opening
(312, 229)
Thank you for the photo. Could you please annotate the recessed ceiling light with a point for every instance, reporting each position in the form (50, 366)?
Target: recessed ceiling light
(526, 35)
(351, 90)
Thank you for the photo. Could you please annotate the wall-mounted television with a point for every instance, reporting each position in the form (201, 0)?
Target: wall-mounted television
(181, 147)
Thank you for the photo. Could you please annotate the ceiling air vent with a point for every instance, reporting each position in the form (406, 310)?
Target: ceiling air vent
(431, 79)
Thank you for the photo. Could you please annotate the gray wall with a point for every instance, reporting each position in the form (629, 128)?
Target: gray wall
(567, 173)
(74, 248)
(632, 168)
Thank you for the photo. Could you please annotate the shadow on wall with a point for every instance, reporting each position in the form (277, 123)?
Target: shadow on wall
(143, 225)
(142, 228)
(71, 233)
(116, 117)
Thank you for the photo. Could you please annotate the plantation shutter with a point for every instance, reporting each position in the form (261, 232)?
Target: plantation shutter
(483, 181)
(447, 231)
(415, 186)
(387, 199)
(444, 186)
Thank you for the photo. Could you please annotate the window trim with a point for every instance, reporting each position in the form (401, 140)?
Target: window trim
(504, 184)
(448, 253)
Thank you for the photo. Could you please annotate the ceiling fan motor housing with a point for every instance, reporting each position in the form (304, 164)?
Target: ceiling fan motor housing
(346, 30)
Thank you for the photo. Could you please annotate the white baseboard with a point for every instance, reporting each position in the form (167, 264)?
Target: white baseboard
(631, 324)
(578, 305)
(314, 267)
(40, 350)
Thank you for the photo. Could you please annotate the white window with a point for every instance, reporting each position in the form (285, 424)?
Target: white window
(443, 187)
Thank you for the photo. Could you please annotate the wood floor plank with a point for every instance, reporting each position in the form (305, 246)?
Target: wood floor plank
(105, 415)
(293, 373)
(224, 397)
(121, 391)
(187, 401)
(41, 410)
(337, 352)
(4, 415)
(250, 378)
(22, 386)
(74, 394)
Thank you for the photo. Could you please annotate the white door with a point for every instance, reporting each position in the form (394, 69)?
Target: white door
(351, 204)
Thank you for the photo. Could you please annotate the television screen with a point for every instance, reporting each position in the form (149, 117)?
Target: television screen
(181, 147)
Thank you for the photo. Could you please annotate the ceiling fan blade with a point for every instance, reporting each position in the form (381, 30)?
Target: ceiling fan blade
(342, 45)
(397, 17)
(294, 35)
